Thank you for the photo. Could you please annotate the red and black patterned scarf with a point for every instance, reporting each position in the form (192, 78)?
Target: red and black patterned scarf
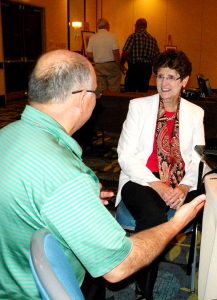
(170, 161)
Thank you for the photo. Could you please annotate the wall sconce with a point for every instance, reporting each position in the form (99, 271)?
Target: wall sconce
(76, 25)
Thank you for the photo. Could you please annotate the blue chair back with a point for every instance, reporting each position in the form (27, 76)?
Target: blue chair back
(51, 270)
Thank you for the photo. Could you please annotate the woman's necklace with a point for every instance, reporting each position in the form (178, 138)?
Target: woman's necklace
(171, 118)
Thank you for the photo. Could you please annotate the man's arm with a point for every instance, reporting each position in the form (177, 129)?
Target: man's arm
(116, 54)
(149, 244)
(124, 56)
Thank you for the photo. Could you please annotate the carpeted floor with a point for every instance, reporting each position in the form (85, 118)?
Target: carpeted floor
(172, 282)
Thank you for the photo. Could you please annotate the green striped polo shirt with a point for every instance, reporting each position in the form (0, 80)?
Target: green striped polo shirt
(45, 184)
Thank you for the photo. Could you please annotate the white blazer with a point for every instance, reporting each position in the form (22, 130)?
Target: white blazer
(137, 137)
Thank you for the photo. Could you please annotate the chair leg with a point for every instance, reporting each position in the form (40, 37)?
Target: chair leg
(194, 262)
(191, 251)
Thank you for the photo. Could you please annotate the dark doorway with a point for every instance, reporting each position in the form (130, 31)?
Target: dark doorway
(23, 42)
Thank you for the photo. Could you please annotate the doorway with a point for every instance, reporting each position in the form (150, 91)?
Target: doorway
(23, 43)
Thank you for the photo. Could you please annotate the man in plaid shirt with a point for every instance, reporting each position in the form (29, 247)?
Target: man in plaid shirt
(139, 52)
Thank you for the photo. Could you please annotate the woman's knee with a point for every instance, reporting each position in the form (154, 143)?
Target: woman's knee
(145, 205)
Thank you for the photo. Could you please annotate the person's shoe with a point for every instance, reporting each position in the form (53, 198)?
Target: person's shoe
(140, 296)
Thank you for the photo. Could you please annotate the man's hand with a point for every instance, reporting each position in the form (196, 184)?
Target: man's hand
(188, 211)
(124, 56)
(105, 196)
(148, 244)
(123, 69)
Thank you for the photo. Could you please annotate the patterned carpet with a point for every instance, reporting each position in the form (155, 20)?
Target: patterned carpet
(101, 156)
(11, 111)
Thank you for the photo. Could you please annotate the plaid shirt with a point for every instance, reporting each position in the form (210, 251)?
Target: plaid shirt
(141, 46)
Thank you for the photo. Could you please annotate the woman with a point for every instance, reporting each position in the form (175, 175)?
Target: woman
(159, 167)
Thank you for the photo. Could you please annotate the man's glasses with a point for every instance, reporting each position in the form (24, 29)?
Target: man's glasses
(98, 95)
(169, 78)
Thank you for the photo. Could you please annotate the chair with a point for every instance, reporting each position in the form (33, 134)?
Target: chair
(51, 270)
(126, 220)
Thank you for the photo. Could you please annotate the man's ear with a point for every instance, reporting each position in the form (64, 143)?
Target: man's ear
(81, 100)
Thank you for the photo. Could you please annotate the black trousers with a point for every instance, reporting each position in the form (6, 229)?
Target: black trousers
(149, 210)
(137, 77)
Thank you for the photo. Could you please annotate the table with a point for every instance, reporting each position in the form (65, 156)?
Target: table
(207, 285)
(113, 108)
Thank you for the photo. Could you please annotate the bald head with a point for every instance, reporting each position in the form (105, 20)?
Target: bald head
(57, 74)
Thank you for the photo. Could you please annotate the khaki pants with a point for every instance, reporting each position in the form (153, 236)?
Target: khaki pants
(108, 77)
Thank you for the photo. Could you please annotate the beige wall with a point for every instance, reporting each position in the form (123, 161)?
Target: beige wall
(77, 14)
(191, 23)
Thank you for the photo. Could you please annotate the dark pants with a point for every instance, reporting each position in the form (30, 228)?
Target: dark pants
(93, 288)
(137, 77)
(149, 210)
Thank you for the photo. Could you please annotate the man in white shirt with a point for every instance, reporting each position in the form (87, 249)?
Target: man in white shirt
(103, 50)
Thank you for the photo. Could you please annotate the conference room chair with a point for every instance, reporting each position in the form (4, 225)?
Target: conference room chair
(53, 274)
(126, 220)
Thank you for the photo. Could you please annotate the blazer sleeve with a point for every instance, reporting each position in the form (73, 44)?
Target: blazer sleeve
(136, 144)
(189, 154)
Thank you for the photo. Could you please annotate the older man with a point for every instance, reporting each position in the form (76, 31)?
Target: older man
(44, 183)
(103, 49)
(139, 52)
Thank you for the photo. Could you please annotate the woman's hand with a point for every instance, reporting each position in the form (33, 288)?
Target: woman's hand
(176, 199)
(162, 189)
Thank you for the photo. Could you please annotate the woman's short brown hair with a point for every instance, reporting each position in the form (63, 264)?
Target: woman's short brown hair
(175, 60)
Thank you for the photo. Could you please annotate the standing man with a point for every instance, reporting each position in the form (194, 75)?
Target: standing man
(45, 184)
(103, 50)
(139, 52)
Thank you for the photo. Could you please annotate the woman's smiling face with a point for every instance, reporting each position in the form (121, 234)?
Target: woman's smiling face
(169, 83)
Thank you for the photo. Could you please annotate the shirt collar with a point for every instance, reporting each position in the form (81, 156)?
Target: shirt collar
(102, 29)
(46, 123)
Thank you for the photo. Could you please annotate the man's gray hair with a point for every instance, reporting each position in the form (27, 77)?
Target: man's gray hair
(57, 80)
(102, 23)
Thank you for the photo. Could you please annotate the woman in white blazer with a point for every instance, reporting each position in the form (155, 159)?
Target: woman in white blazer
(159, 166)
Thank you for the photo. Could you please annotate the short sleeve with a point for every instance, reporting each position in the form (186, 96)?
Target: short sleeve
(78, 216)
